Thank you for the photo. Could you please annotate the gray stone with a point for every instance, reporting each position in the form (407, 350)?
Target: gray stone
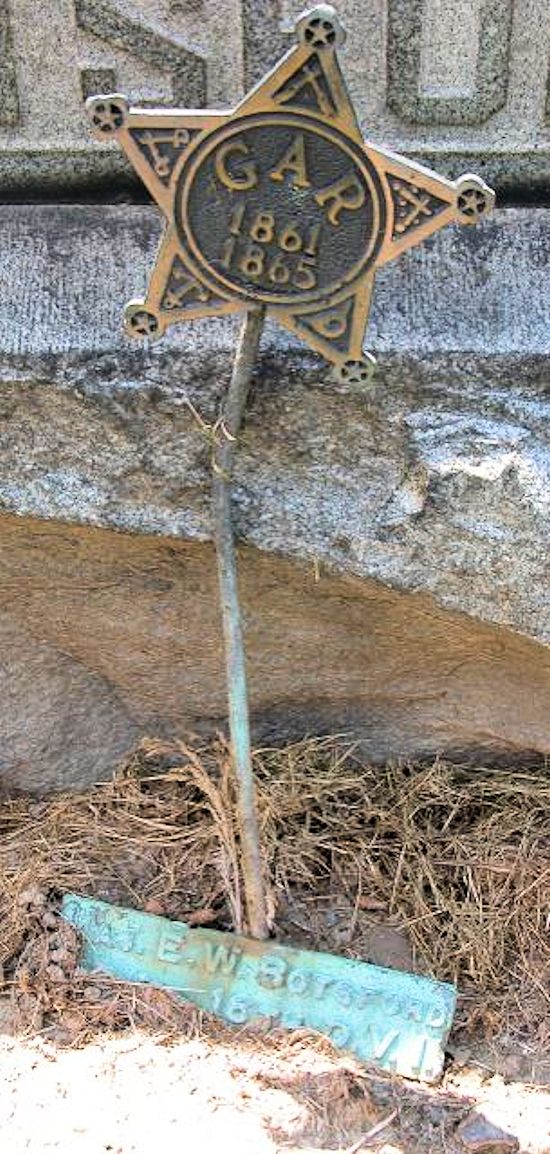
(187, 53)
(437, 480)
(479, 1135)
(458, 86)
(110, 636)
(448, 64)
(427, 497)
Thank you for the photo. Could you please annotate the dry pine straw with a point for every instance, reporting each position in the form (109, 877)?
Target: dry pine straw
(458, 857)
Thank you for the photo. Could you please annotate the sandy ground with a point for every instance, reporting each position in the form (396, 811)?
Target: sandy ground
(133, 1093)
(443, 870)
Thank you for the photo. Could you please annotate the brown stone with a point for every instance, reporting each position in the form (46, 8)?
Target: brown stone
(479, 1135)
(109, 636)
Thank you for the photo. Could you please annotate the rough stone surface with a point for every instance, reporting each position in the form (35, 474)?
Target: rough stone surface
(108, 636)
(436, 480)
(459, 85)
(480, 1136)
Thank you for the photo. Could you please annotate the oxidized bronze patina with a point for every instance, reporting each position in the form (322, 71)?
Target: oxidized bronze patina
(281, 203)
(397, 1021)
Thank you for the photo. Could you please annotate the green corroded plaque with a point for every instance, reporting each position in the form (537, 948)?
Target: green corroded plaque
(397, 1021)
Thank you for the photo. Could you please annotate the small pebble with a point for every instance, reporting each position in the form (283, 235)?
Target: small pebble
(481, 1136)
(56, 974)
(32, 898)
(93, 994)
(154, 906)
(50, 920)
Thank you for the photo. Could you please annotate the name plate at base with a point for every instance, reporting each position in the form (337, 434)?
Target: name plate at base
(396, 1021)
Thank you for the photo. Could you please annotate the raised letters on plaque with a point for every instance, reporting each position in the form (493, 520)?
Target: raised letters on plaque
(364, 1009)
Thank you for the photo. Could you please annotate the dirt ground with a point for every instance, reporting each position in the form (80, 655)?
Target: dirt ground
(440, 869)
(132, 1093)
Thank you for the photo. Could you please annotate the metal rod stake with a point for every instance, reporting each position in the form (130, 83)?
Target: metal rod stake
(237, 690)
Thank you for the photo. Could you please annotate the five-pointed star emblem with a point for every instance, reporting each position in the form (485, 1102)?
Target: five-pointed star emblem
(280, 202)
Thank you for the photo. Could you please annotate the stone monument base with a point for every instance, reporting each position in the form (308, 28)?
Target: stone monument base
(107, 637)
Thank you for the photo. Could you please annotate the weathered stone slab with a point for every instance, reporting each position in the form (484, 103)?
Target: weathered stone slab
(436, 481)
(177, 51)
(107, 637)
(460, 85)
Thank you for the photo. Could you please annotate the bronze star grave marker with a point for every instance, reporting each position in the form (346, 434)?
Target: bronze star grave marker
(277, 207)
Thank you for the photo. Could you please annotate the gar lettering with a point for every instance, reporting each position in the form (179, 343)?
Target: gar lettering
(344, 194)
(238, 169)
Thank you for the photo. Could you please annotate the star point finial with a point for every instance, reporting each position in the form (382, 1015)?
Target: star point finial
(320, 27)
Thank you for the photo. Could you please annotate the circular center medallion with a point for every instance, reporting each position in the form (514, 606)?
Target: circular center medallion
(280, 208)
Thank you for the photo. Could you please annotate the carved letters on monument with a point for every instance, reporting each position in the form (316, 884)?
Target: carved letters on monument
(448, 63)
(446, 83)
(450, 84)
(170, 51)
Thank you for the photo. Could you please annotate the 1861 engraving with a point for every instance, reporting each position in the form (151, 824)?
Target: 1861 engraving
(277, 218)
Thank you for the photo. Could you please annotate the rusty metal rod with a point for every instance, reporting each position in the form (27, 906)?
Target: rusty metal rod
(225, 446)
